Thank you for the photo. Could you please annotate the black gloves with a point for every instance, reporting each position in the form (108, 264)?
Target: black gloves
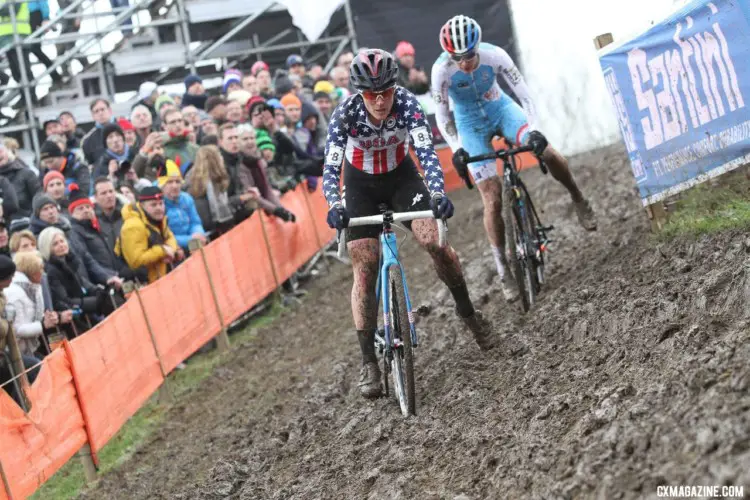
(284, 214)
(441, 206)
(337, 217)
(537, 141)
(460, 163)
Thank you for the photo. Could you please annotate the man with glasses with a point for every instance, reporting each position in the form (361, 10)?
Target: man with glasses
(370, 134)
(93, 142)
(177, 144)
(467, 73)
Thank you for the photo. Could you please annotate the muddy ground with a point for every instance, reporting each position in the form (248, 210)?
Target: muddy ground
(632, 372)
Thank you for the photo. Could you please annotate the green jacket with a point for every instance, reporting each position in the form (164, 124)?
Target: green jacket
(180, 147)
(22, 19)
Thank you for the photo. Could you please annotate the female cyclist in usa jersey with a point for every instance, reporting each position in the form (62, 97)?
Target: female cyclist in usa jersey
(370, 134)
(467, 73)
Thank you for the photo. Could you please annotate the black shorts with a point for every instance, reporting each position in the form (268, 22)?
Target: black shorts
(402, 189)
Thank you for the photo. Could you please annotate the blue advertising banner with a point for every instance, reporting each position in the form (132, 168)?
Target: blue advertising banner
(679, 92)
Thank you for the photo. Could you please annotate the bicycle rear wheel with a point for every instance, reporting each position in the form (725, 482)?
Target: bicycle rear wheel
(402, 366)
(514, 241)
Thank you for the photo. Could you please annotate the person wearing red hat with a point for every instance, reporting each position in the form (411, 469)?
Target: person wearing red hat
(131, 137)
(53, 186)
(410, 76)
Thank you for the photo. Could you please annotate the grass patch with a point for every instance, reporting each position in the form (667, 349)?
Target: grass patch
(707, 209)
(69, 481)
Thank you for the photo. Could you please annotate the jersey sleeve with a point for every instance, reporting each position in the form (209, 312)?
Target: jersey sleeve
(421, 138)
(505, 66)
(334, 153)
(446, 124)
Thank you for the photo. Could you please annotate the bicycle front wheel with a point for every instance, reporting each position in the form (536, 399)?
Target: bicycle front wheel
(514, 242)
(402, 365)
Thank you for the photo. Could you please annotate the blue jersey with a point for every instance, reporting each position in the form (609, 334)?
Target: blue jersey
(479, 105)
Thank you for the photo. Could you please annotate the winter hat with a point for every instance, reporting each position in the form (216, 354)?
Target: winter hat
(109, 129)
(7, 267)
(282, 85)
(39, 202)
(291, 100)
(324, 86)
(76, 198)
(308, 110)
(49, 176)
(258, 66)
(293, 60)
(404, 49)
(191, 80)
(150, 193)
(50, 149)
(231, 76)
(241, 96)
(253, 102)
(172, 171)
(263, 140)
(161, 101)
(125, 124)
(19, 224)
(275, 103)
(146, 89)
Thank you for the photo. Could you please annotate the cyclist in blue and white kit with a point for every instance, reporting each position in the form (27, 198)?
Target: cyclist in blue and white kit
(467, 73)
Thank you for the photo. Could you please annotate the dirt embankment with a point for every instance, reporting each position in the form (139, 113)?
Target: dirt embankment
(632, 372)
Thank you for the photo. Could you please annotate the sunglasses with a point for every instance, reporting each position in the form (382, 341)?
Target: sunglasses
(463, 57)
(371, 95)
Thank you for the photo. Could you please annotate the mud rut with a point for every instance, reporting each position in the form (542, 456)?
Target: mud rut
(632, 372)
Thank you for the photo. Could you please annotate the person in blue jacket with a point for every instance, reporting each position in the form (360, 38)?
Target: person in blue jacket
(182, 216)
(38, 14)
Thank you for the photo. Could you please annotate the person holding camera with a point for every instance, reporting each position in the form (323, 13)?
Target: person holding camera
(117, 158)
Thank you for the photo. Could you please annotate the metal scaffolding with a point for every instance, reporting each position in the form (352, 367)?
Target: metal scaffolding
(29, 113)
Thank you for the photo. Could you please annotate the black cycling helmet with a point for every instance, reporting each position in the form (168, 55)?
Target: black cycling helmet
(373, 69)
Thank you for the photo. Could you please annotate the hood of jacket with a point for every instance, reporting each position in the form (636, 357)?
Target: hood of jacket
(16, 164)
(38, 225)
(134, 211)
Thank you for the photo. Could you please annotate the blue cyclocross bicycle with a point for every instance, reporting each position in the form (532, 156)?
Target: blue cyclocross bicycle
(395, 341)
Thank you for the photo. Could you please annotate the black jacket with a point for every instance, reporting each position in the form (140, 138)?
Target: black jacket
(94, 271)
(74, 141)
(10, 200)
(25, 184)
(110, 225)
(93, 144)
(67, 281)
(84, 235)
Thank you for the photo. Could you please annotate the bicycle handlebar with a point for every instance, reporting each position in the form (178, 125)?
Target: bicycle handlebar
(397, 217)
(500, 153)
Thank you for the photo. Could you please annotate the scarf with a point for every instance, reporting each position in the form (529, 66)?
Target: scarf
(120, 158)
(218, 204)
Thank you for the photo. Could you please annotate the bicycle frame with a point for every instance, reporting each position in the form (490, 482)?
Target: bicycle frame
(389, 258)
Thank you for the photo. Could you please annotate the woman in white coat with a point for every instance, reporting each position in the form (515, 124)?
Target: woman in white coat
(24, 297)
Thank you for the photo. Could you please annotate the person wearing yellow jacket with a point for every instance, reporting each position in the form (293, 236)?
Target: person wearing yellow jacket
(145, 238)
(23, 27)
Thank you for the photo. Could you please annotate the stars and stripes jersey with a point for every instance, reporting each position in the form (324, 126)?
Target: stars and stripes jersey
(378, 150)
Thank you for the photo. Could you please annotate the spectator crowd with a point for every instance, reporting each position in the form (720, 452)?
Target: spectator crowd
(125, 202)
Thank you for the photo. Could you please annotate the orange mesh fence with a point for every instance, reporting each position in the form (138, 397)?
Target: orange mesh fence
(181, 311)
(36, 445)
(292, 244)
(240, 268)
(116, 369)
(319, 209)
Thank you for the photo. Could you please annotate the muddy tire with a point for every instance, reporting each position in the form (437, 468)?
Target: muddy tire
(403, 358)
(512, 242)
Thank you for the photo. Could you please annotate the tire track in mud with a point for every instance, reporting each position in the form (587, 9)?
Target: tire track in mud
(631, 373)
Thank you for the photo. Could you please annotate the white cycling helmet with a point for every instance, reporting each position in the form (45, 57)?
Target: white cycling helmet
(461, 34)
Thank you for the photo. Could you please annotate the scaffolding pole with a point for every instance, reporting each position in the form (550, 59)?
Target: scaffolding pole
(350, 25)
(29, 118)
(185, 34)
